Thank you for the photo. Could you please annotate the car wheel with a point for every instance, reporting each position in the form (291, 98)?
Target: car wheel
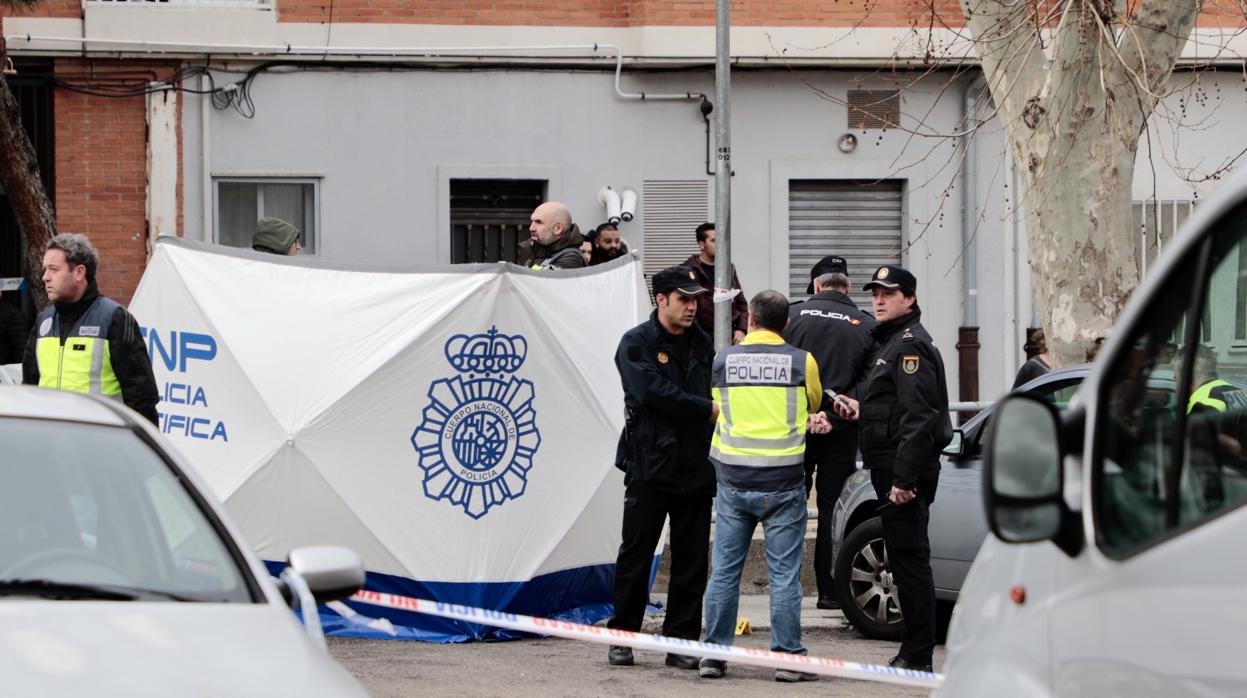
(864, 585)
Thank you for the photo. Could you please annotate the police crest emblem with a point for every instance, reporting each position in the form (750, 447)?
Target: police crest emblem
(909, 363)
(479, 433)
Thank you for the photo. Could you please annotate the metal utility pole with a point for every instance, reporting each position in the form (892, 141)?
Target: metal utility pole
(722, 172)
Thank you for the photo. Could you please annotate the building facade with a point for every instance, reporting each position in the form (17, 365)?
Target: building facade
(422, 133)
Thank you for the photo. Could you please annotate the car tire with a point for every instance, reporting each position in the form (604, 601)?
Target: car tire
(864, 586)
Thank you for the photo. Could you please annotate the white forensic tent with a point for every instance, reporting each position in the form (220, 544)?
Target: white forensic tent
(456, 426)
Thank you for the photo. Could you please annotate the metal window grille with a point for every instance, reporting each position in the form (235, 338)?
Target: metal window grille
(489, 218)
(874, 109)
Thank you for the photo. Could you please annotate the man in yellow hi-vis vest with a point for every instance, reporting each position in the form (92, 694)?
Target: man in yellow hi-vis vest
(84, 342)
(768, 394)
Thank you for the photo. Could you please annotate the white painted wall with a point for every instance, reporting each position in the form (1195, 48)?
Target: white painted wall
(385, 145)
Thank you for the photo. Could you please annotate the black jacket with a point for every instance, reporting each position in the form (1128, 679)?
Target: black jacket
(831, 327)
(705, 302)
(904, 406)
(531, 252)
(130, 359)
(666, 382)
(12, 333)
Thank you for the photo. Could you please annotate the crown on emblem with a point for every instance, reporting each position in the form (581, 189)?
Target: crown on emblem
(488, 352)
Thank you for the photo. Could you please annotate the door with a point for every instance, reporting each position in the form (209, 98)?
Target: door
(1157, 607)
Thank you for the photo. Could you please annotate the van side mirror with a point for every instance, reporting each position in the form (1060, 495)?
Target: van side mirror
(1023, 474)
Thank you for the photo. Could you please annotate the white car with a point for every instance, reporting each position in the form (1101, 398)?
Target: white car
(1115, 567)
(121, 576)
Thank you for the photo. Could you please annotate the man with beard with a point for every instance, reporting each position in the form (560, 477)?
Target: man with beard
(84, 342)
(555, 242)
(607, 245)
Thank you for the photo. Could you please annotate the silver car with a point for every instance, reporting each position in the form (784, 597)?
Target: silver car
(120, 575)
(864, 585)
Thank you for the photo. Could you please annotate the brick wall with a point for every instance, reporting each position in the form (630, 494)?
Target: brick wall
(101, 172)
(628, 13)
(625, 13)
(618, 13)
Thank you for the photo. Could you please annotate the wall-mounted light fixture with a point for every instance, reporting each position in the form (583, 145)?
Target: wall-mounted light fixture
(847, 143)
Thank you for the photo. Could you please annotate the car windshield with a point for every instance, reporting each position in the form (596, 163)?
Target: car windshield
(90, 511)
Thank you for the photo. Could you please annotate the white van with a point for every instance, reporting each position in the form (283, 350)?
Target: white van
(1118, 560)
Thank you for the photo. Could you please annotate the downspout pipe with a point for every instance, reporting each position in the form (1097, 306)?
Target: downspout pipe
(969, 201)
(968, 335)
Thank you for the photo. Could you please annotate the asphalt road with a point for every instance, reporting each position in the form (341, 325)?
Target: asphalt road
(555, 667)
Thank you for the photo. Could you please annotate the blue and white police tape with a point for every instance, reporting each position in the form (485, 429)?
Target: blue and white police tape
(838, 668)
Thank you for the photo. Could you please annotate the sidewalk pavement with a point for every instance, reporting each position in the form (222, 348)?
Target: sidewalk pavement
(757, 608)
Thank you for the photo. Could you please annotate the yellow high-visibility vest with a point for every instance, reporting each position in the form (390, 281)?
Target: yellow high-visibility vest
(763, 406)
(83, 364)
(1212, 394)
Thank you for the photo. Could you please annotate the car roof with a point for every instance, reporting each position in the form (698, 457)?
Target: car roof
(42, 403)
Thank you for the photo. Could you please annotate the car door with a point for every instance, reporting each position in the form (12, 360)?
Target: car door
(958, 525)
(1156, 605)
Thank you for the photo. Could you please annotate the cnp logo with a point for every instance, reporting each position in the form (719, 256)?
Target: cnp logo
(479, 434)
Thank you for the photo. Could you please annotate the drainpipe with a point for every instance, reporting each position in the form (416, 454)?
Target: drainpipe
(968, 335)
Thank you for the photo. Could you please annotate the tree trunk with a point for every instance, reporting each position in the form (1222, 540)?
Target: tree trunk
(19, 174)
(1083, 257)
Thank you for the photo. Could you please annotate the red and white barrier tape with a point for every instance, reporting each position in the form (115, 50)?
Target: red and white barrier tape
(607, 636)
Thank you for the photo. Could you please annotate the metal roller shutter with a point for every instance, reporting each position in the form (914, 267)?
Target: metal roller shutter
(673, 209)
(858, 220)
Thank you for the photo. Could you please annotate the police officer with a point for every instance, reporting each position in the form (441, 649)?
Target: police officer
(72, 338)
(903, 417)
(664, 364)
(831, 327)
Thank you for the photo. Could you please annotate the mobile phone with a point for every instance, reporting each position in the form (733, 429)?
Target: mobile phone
(839, 400)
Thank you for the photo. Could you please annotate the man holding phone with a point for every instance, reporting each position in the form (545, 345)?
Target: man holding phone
(904, 424)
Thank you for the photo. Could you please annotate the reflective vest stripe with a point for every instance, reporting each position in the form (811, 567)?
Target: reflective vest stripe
(1203, 396)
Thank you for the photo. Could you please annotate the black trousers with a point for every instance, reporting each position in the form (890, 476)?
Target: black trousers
(909, 555)
(834, 458)
(644, 512)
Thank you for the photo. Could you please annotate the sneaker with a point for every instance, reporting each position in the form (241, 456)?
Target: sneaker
(789, 676)
(712, 668)
(682, 661)
(828, 603)
(620, 656)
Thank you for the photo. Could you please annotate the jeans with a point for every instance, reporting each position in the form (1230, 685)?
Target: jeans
(737, 514)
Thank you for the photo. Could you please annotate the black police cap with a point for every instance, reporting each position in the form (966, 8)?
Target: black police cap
(827, 265)
(892, 276)
(678, 278)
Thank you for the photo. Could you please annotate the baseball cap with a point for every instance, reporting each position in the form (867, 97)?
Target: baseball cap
(827, 265)
(678, 278)
(892, 276)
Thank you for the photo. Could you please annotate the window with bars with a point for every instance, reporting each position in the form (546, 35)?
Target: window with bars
(489, 218)
(240, 202)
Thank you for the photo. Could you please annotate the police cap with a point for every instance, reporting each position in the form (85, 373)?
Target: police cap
(678, 278)
(892, 276)
(827, 265)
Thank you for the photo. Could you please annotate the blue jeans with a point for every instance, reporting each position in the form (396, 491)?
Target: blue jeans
(737, 514)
